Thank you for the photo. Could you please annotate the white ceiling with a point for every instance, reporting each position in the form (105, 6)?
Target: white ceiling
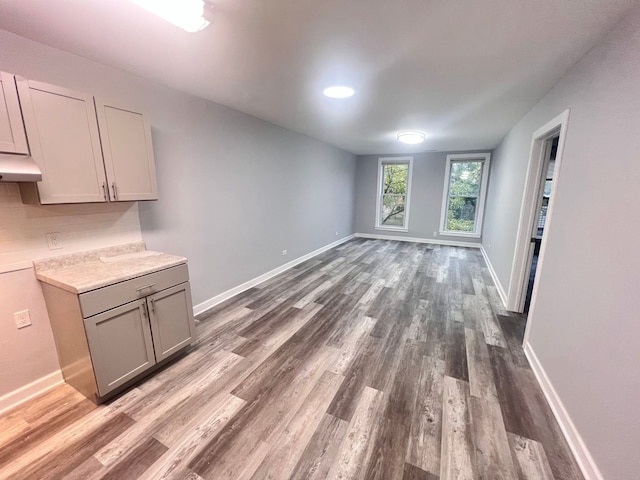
(463, 71)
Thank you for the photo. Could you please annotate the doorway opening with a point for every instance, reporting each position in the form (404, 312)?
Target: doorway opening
(541, 183)
(544, 196)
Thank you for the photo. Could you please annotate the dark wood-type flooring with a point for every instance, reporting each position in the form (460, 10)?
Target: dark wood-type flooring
(374, 360)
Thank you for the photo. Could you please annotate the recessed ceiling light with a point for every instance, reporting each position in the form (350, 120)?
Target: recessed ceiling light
(186, 14)
(338, 91)
(411, 137)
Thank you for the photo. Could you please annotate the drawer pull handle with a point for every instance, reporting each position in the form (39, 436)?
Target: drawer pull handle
(145, 286)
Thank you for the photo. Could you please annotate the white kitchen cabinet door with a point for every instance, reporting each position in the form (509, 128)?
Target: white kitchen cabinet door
(171, 315)
(120, 344)
(12, 136)
(63, 135)
(128, 153)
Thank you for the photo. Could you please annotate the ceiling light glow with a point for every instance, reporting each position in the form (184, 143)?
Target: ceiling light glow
(186, 14)
(411, 137)
(338, 91)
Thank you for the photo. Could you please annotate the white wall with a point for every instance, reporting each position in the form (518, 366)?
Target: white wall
(584, 326)
(425, 197)
(235, 191)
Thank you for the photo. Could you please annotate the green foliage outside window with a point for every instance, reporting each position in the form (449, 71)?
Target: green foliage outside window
(395, 179)
(464, 189)
(394, 191)
(455, 225)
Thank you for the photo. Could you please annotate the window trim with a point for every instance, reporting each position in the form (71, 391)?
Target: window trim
(486, 159)
(385, 161)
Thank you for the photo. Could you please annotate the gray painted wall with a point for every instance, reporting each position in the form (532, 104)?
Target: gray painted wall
(426, 196)
(235, 191)
(244, 191)
(585, 327)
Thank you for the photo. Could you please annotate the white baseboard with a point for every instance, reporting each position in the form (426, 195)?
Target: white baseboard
(212, 302)
(449, 243)
(494, 276)
(580, 452)
(27, 392)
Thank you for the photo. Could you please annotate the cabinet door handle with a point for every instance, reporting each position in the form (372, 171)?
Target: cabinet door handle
(115, 192)
(104, 191)
(153, 304)
(143, 306)
(145, 286)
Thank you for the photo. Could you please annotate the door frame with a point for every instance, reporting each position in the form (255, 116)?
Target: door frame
(520, 269)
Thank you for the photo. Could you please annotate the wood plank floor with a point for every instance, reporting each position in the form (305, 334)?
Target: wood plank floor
(375, 360)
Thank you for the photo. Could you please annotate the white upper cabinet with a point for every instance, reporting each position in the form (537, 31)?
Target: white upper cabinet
(12, 136)
(128, 153)
(63, 134)
(88, 151)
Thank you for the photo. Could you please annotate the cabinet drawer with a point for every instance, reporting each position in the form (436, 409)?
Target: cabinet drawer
(102, 299)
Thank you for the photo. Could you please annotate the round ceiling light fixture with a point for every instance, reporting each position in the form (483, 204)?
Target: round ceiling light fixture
(411, 137)
(338, 91)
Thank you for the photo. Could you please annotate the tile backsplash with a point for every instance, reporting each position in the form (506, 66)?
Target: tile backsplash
(80, 227)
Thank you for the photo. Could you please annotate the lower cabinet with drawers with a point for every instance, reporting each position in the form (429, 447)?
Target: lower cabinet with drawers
(109, 337)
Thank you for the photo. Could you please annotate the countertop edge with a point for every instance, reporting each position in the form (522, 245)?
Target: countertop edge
(43, 277)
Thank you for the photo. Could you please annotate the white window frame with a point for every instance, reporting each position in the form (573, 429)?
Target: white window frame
(457, 157)
(382, 161)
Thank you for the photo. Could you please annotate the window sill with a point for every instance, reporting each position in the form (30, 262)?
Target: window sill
(460, 234)
(392, 229)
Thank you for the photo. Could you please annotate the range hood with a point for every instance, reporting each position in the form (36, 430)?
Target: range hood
(19, 168)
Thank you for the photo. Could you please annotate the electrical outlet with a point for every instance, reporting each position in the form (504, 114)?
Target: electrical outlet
(22, 318)
(284, 252)
(435, 233)
(53, 241)
(336, 234)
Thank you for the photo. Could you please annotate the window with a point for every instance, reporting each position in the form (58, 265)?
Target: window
(465, 185)
(394, 183)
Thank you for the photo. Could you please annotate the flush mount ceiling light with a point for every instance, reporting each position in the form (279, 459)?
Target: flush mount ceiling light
(411, 137)
(338, 91)
(186, 14)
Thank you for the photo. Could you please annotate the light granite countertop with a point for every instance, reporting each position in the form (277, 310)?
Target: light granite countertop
(85, 271)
